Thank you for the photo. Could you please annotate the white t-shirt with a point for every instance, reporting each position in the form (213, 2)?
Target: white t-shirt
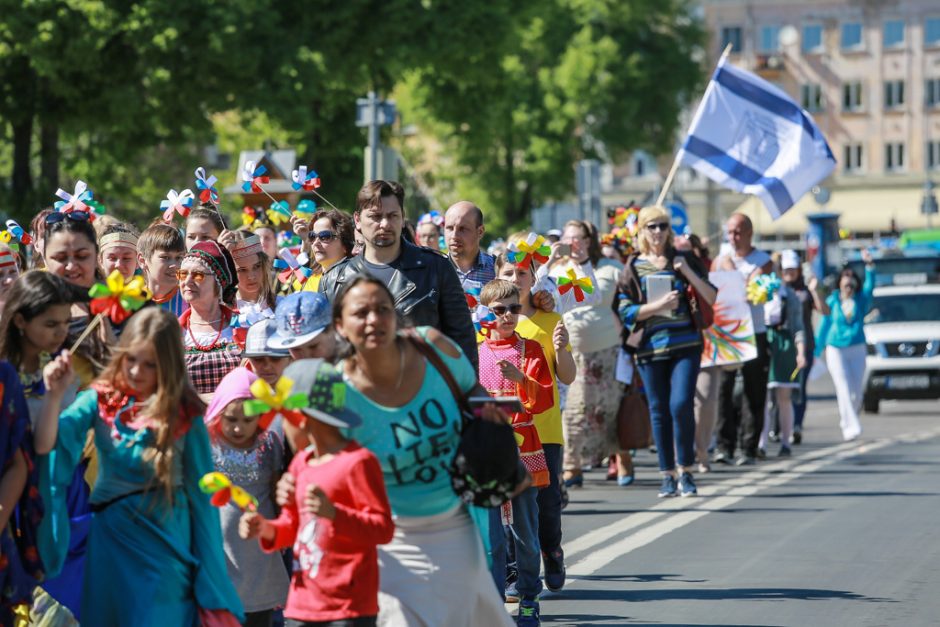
(746, 265)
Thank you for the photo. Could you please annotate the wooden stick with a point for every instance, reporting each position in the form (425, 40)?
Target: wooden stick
(675, 160)
(87, 332)
(324, 199)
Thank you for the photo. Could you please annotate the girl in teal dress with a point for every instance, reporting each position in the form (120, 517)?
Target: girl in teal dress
(155, 548)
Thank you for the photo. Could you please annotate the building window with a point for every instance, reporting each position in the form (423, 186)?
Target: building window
(852, 36)
(811, 97)
(731, 35)
(853, 158)
(852, 96)
(769, 39)
(894, 94)
(932, 31)
(933, 155)
(894, 157)
(893, 33)
(812, 38)
(932, 92)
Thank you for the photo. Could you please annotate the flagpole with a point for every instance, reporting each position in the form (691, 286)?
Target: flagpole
(675, 160)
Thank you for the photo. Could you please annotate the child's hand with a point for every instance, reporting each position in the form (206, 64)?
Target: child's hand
(58, 374)
(316, 502)
(286, 489)
(560, 337)
(228, 238)
(510, 372)
(543, 301)
(250, 525)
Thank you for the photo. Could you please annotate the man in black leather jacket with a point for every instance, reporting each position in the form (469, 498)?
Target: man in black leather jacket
(424, 283)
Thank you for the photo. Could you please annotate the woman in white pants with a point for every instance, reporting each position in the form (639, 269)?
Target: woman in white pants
(842, 335)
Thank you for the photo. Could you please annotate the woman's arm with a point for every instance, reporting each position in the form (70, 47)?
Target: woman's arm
(11, 486)
(57, 376)
(818, 301)
(704, 289)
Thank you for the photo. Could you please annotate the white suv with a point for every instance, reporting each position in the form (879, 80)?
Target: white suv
(902, 331)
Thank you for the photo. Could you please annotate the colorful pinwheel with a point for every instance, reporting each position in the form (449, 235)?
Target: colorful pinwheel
(250, 314)
(254, 177)
(761, 288)
(117, 299)
(287, 239)
(76, 201)
(523, 251)
(289, 265)
(222, 492)
(580, 284)
(206, 186)
(175, 203)
(306, 208)
(279, 212)
(484, 320)
(434, 217)
(270, 403)
(307, 181)
(472, 293)
(251, 214)
(14, 235)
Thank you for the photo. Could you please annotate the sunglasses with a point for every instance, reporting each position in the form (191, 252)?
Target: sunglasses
(198, 277)
(658, 226)
(324, 236)
(74, 216)
(500, 310)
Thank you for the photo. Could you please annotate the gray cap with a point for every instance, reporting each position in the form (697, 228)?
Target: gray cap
(300, 317)
(256, 342)
(325, 388)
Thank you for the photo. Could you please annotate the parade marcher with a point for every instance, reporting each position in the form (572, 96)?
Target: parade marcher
(331, 240)
(463, 230)
(203, 224)
(208, 283)
(160, 251)
(37, 230)
(253, 268)
(117, 250)
(841, 335)
(338, 516)
(251, 456)
(9, 271)
(590, 412)
(266, 362)
(155, 545)
(304, 327)
(426, 288)
(666, 336)
(734, 420)
(428, 233)
(435, 542)
(548, 329)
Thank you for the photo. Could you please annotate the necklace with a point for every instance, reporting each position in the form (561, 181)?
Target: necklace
(201, 348)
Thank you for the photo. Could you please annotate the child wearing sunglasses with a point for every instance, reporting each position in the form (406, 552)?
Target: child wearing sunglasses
(513, 366)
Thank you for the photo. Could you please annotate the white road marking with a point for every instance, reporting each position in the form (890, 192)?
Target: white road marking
(671, 515)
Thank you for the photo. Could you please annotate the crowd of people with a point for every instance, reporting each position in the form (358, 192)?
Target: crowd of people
(341, 441)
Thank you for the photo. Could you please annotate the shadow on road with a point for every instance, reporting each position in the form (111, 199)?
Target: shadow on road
(725, 594)
(791, 495)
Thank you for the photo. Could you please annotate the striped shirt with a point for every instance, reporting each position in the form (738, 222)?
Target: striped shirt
(663, 333)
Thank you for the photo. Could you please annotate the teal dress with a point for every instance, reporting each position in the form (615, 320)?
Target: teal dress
(150, 560)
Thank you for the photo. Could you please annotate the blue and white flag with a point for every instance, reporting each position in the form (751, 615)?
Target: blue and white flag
(751, 137)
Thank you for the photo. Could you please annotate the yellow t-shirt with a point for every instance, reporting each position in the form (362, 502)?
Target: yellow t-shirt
(540, 328)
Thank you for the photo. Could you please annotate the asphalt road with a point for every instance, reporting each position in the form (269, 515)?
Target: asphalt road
(840, 534)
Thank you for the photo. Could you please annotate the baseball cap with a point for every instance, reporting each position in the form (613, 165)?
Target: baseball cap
(256, 342)
(789, 260)
(554, 233)
(300, 317)
(325, 388)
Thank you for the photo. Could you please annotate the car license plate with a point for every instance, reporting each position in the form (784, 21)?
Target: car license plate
(913, 382)
(910, 278)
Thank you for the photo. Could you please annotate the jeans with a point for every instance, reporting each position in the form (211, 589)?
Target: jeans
(497, 550)
(670, 390)
(549, 502)
(731, 418)
(799, 400)
(525, 535)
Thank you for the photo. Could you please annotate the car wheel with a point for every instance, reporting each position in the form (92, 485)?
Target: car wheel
(870, 405)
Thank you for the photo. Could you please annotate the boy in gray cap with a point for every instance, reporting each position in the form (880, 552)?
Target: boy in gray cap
(266, 362)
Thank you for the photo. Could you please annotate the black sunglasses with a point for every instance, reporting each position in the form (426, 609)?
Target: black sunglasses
(74, 216)
(324, 236)
(658, 226)
(500, 310)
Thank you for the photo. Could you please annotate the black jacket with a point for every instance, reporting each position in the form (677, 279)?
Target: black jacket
(426, 289)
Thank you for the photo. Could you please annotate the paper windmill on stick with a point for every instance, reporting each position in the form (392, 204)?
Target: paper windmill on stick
(206, 186)
(762, 288)
(304, 180)
(222, 492)
(270, 403)
(571, 281)
(289, 265)
(484, 320)
(115, 299)
(254, 177)
(523, 251)
(306, 208)
(250, 314)
(14, 235)
(180, 203)
(279, 212)
(76, 201)
(472, 294)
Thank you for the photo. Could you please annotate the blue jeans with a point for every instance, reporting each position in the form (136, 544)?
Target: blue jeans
(549, 502)
(497, 550)
(525, 536)
(799, 403)
(670, 390)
